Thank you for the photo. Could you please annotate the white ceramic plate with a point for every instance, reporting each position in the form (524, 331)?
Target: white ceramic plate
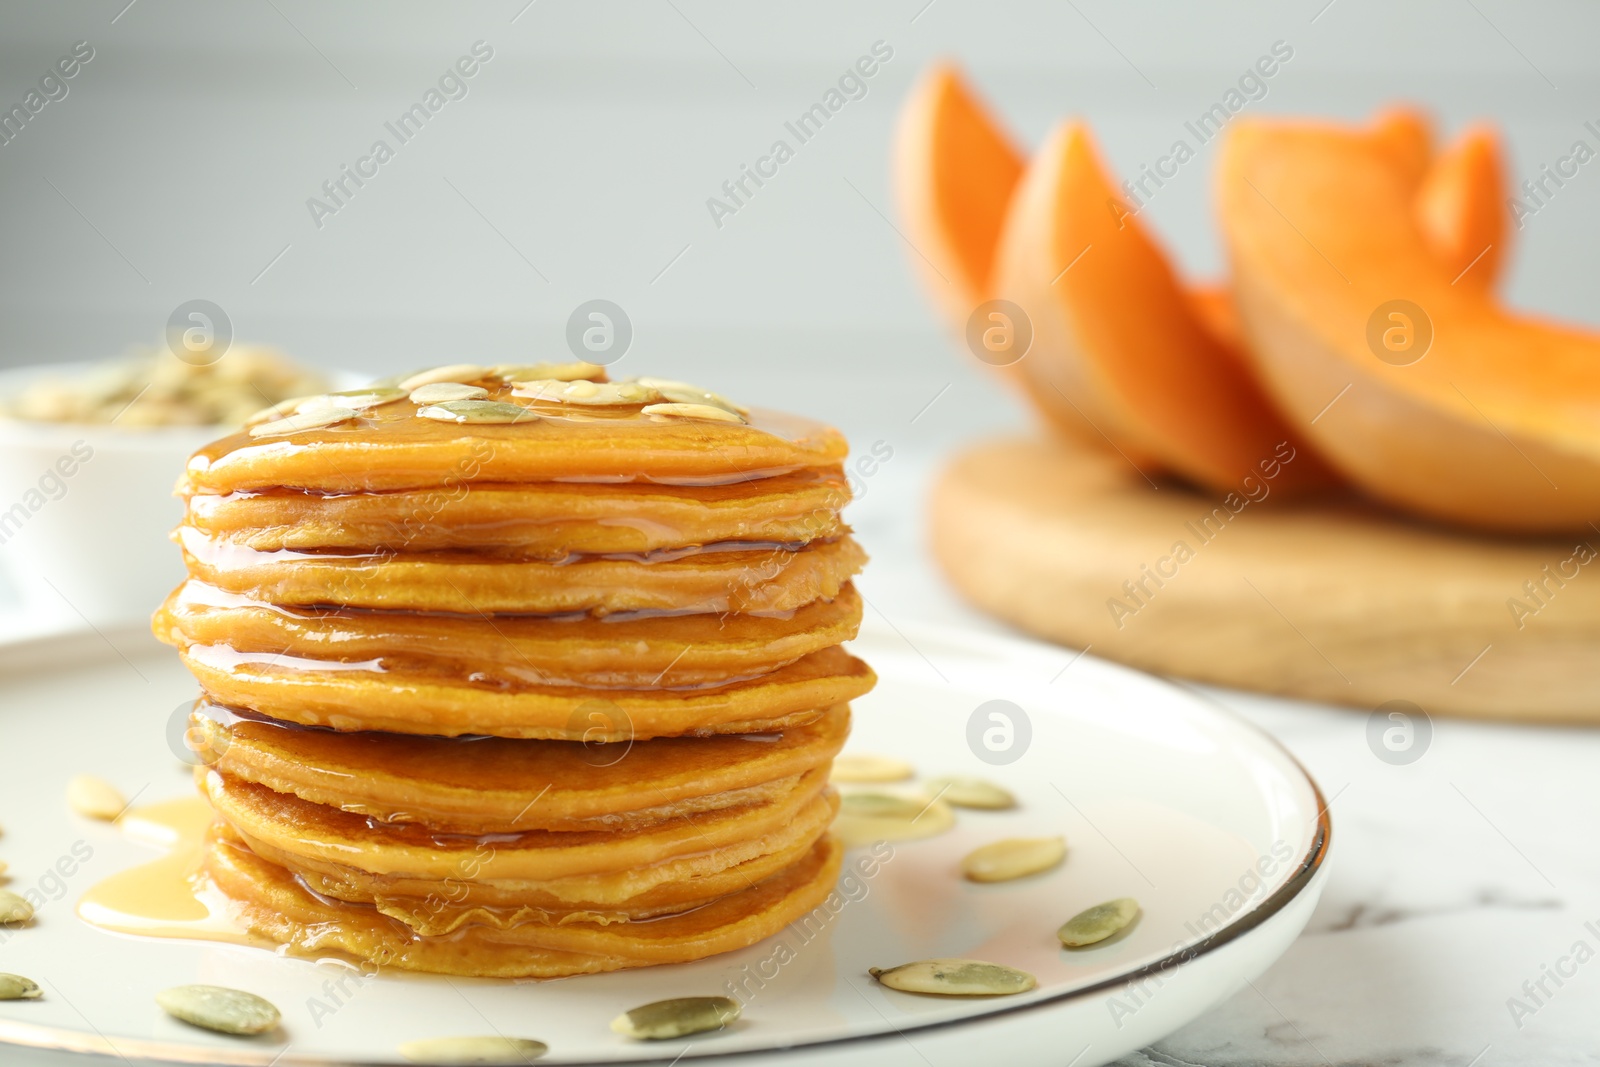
(1161, 796)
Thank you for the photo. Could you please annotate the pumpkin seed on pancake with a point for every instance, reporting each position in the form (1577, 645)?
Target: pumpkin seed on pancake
(450, 372)
(719, 579)
(501, 785)
(393, 449)
(350, 697)
(440, 392)
(271, 903)
(683, 652)
(551, 520)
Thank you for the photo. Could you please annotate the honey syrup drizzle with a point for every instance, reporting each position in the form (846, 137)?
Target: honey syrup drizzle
(169, 896)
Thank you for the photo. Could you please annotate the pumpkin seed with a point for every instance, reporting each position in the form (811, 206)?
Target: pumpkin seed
(439, 392)
(392, 381)
(1014, 857)
(300, 421)
(1093, 925)
(473, 1050)
(666, 1019)
(583, 391)
(956, 978)
(454, 372)
(94, 798)
(693, 411)
(13, 908)
(354, 399)
(555, 372)
(882, 806)
(866, 817)
(212, 1007)
(16, 987)
(277, 411)
(477, 412)
(684, 393)
(864, 767)
(971, 793)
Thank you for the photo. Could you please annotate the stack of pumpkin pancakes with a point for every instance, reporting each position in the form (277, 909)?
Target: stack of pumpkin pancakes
(516, 671)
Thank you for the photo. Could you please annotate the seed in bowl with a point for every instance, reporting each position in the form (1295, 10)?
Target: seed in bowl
(158, 389)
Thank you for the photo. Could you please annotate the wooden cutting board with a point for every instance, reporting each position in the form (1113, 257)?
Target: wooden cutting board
(1332, 601)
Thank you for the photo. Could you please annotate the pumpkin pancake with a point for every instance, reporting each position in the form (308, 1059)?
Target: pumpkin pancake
(548, 520)
(517, 672)
(390, 448)
(320, 838)
(664, 888)
(497, 785)
(610, 653)
(359, 696)
(441, 907)
(273, 904)
(735, 576)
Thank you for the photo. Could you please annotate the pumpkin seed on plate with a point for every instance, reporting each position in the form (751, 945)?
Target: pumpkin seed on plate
(1014, 857)
(13, 908)
(955, 978)
(94, 797)
(1093, 925)
(882, 806)
(705, 412)
(666, 1019)
(477, 412)
(439, 392)
(453, 372)
(16, 987)
(971, 793)
(451, 1051)
(866, 817)
(212, 1007)
(865, 767)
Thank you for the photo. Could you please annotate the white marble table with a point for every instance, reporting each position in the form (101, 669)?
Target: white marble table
(1456, 879)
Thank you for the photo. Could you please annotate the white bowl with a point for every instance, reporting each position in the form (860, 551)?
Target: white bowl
(86, 509)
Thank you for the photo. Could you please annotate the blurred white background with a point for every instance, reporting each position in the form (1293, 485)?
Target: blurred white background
(579, 163)
(578, 166)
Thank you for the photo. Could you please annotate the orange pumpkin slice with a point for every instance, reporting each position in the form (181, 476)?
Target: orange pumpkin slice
(954, 172)
(1461, 208)
(1408, 133)
(1121, 355)
(1446, 404)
